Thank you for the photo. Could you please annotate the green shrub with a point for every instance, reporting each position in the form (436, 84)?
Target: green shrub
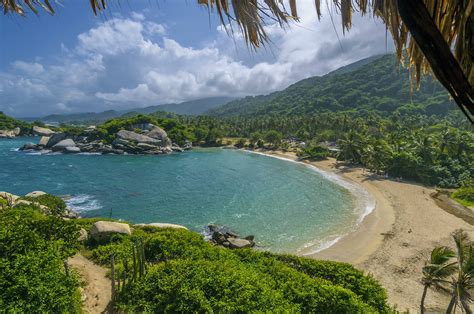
(341, 274)
(191, 275)
(464, 195)
(33, 248)
(56, 205)
(187, 285)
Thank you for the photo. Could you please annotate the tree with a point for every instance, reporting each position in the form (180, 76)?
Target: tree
(457, 264)
(273, 137)
(350, 147)
(462, 285)
(436, 270)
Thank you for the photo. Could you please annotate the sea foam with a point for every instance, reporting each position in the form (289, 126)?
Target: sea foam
(83, 202)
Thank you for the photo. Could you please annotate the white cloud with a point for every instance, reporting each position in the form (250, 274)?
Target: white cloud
(130, 62)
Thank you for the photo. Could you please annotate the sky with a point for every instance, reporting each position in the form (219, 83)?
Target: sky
(159, 52)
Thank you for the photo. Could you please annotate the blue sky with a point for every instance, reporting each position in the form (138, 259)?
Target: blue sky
(144, 53)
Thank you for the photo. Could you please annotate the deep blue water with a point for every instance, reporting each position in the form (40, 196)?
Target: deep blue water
(286, 205)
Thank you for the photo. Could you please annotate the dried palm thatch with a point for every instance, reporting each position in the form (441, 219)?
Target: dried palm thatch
(438, 35)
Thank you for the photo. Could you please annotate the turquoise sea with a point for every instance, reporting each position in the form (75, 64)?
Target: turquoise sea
(289, 207)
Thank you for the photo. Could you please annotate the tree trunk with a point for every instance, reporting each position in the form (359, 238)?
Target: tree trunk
(450, 308)
(423, 296)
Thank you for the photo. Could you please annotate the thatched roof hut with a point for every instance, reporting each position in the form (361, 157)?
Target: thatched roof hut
(438, 35)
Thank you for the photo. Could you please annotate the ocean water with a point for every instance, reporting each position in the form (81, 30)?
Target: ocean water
(288, 206)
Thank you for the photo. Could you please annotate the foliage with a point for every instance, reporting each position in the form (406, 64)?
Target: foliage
(453, 272)
(56, 205)
(9, 123)
(314, 152)
(464, 195)
(33, 248)
(187, 274)
(379, 86)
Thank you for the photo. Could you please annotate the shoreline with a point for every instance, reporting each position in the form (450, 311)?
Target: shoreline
(392, 242)
(365, 236)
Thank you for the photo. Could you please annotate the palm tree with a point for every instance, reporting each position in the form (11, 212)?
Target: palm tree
(436, 270)
(462, 285)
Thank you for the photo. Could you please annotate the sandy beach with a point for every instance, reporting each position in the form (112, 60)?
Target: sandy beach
(394, 241)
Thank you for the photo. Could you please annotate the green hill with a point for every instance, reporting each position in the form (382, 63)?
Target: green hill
(9, 123)
(373, 84)
(192, 107)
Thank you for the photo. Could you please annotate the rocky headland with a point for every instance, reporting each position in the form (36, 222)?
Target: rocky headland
(144, 138)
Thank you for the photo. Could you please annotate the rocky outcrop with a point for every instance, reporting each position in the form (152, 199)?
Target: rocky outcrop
(64, 145)
(103, 230)
(145, 139)
(9, 197)
(7, 134)
(37, 130)
(161, 225)
(35, 194)
(130, 136)
(225, 237)
(159, 134)
(83, 235)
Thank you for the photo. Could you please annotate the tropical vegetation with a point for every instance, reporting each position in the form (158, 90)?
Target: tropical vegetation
(452, 271)
(170, 270)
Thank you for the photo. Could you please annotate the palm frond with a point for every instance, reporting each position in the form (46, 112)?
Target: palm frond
(453, 21)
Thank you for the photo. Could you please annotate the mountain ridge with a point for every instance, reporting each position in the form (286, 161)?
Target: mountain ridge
(371, 84)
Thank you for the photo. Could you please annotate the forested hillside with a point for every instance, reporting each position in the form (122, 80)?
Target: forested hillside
(379, 86)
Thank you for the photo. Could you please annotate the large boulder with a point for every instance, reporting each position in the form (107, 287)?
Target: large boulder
(237, 243)
(83, 235)
(162, 225)
(36, 194)
(44, 140)
(135, 137)
(42, 131)
(16, 131)
(102, 230)
(159, 134)
(9, 197)
(55, 138)
(62, 145)
(72, 150)
(6, 134)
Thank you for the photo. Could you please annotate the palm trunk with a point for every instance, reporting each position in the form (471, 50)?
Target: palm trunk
(450, 308)
(423, 296)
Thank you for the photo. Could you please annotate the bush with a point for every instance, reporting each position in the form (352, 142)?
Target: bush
(314, 152)
(464, 195)
(191, 275)
(33, 248)
(56, 205)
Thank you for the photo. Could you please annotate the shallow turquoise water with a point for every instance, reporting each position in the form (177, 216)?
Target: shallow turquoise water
(287, 206)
